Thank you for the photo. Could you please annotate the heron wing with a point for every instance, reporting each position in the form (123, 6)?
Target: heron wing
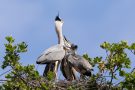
(67, 70)
(79, 63)
(86, 63)
(54, 53)
(52, 49)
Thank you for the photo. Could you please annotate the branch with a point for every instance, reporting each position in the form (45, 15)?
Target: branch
(5, 72)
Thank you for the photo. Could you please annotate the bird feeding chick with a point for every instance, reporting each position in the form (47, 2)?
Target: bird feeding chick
(65, 53)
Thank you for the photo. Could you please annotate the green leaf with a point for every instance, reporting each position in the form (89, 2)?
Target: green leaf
(44, 87)
(86, 56)
(105, 45)
(122, 73)
(8, 76)
(50, 75)
(22, 47)
(10, 39)
(97, 59)
(132, 47)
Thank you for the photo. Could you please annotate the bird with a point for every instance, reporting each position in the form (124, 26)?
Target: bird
(56, 53)
(67, 70)
(65, 53)
(73, 63)
(78, 62)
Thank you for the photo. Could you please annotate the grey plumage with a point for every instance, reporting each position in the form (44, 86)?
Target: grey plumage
(67, 70)
(80, 64)
(76, 61)
(54, 53)
(65, 53)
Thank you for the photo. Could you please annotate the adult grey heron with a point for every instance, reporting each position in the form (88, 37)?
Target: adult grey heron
(56, 53)
(70, 60)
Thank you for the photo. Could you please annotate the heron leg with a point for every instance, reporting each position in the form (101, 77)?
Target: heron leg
(56, 69)
(47, 69)
(51, 67)
(73, 73)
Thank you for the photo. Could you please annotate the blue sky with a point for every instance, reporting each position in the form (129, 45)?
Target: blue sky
(86, 23)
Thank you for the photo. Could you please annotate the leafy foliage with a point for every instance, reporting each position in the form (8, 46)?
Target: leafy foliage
(109, 68)
(25, 77)
(115, 62)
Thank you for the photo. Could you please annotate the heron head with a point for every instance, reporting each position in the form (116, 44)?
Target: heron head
(58, 20)
(87, 73)
(69, 44)
(74, 47)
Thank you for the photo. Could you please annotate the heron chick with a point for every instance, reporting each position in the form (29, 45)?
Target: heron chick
(79, 63)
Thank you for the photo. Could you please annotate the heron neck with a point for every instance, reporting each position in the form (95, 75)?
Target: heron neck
(60, 38)
(59, 34)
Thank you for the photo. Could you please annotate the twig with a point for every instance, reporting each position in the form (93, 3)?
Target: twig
(3, 80)
(133, 70)
(132, 52)
(5, 72)
(124, 79)
(112, 75)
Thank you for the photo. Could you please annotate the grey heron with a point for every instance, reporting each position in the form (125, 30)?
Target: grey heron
(67, 70)
(56, 53)
(70, 61)
(80, 64)
(77, 62)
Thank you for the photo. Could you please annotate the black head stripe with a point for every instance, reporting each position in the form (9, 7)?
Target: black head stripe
(57, 18)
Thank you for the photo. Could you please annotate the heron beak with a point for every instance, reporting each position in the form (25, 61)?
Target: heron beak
(67, 43)
(66, 48)
(66, 39)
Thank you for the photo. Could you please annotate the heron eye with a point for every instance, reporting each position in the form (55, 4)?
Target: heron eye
(74, 46)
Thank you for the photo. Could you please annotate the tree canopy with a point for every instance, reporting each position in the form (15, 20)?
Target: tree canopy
(109, 69)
